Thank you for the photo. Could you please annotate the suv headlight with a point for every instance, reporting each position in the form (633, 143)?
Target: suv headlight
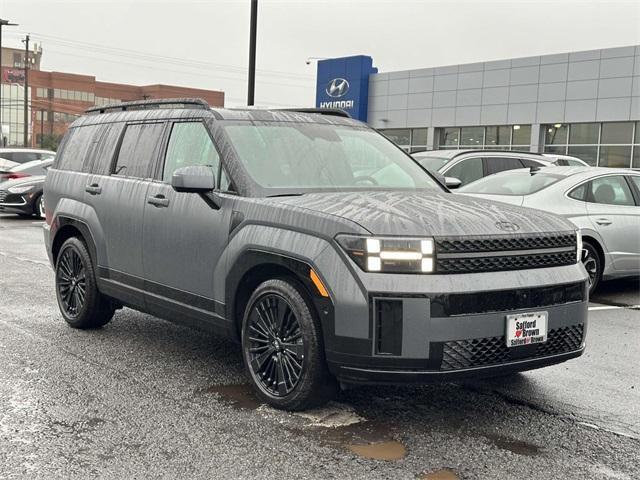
(390, 254)
(578, 246)
(19, 189)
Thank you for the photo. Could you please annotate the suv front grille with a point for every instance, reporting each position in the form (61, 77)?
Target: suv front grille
(479, 352)
(494, 254)
(493, 244)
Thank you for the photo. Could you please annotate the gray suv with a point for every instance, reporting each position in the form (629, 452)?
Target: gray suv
(319, 246)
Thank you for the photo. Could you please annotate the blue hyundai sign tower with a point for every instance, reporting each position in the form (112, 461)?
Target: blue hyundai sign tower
(344, 83)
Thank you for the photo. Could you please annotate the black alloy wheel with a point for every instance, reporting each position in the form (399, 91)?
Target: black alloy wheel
(276, 349)
(71, 280)
(592, 264)
(283, 348)
(79, 300)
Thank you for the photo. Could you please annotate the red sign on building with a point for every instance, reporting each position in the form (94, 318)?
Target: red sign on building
(13, 75)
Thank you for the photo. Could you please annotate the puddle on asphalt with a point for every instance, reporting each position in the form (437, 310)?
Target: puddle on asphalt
(516, 446)
(370, 439)
(238, 396)
(444, 474)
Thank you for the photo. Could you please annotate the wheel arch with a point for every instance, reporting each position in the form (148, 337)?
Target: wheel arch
(256, 266)
(70, 227)
(591, 239)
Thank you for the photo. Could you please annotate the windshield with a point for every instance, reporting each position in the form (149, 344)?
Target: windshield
(433, 164)
(299, 157)
(511, 184)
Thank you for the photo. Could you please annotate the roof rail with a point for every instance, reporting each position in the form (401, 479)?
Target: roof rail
(335, 112)
(150, 104)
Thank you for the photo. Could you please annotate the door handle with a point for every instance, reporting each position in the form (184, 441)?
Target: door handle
(603, 221)
(158, 200)
(93, 189)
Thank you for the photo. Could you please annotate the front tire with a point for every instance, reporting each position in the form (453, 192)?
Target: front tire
(592, 264)
(38, 206)
(282, 347)
(79, 300)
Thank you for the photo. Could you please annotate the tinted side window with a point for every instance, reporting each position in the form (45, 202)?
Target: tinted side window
(636, 180)
(73, 152)
(612, 190)
(466, 171)
(104, 140)
(189, 145)
(500, 164)
(138, 150)
(580, 193)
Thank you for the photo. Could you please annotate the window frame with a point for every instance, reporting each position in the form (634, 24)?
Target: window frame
(114, 161)
(589, 192)
(159, 170)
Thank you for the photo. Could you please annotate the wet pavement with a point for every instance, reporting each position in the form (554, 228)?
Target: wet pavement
(146, 398)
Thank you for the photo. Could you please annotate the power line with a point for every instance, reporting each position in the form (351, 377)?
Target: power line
(76, 44)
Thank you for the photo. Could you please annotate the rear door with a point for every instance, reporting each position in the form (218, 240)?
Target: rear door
(118, 197)
(614, 214)
(182, 234)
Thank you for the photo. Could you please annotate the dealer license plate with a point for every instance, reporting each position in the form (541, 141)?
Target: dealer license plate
(526, 328)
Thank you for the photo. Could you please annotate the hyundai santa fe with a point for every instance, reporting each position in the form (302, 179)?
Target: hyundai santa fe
(324, 250)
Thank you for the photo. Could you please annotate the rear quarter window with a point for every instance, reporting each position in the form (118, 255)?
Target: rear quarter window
(89, 149)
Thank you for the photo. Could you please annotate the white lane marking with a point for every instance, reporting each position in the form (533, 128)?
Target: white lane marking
(614, 307)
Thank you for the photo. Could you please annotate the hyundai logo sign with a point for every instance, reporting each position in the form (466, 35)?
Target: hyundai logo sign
(338, 87)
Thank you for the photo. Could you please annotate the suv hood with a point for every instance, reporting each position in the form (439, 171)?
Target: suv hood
(428, 214)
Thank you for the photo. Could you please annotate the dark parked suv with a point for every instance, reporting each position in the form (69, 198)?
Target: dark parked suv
(328, 253)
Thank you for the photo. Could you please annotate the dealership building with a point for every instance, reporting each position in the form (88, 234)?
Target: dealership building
(585, 104)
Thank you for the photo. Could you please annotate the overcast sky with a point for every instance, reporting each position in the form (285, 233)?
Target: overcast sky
(205, 43)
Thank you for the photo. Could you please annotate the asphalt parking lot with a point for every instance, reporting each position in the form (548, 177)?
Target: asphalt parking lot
(146, 398)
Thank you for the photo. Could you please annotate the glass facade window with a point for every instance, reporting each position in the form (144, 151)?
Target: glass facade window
(521, 135)
(618, 133)
(75, 95)
(399, 136)
(556, 134)
(418, 140)
(610, 144)
(496, 136)
(449, 137)
(13, 113)
(501, 137)
(584, 133)
(472, 137)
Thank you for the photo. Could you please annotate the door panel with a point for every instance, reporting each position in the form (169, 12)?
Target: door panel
(183, 236)
(614, 215)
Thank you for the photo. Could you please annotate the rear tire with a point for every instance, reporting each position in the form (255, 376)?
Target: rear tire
(38, 206)
(79, 300)
(592, 264)
(283, 349)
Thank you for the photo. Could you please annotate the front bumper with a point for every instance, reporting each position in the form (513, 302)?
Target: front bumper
(448, 326)
(15, 203)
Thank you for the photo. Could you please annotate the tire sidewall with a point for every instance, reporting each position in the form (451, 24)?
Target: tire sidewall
(77, 246)
(39, 207)
(593, 253)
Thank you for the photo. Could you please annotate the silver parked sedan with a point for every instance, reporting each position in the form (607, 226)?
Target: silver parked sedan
(603, 202)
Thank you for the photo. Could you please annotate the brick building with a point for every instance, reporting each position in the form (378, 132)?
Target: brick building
(57, 98)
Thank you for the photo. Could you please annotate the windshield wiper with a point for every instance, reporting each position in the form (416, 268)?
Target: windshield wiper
(285, 195)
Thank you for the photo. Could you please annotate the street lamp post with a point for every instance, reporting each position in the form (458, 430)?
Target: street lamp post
(252, 52)
(3, 22)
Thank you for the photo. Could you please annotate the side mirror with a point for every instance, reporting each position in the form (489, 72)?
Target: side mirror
(452, 182)
(197, 179)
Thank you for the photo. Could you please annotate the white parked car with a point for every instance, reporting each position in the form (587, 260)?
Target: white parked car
(604, 203)
(10, 157)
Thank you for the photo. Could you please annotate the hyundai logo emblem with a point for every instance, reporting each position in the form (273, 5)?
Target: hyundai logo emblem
(338, 87)
(507, 226)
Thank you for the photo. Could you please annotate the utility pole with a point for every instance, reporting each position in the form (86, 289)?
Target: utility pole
(26, 88)
(252, 52)
(3, 22)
